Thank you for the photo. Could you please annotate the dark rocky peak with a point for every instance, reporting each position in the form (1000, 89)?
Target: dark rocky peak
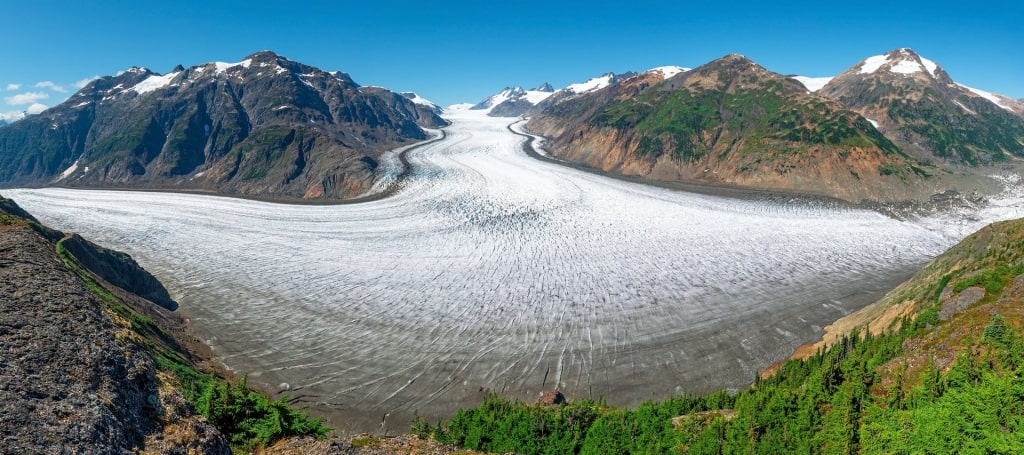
(264, 57)
(178, 69)
(545, 87)
(343, 76)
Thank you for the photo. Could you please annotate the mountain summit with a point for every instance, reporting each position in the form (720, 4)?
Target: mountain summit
(917, 104)
(264, 126)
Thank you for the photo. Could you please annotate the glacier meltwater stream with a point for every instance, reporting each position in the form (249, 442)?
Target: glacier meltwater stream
(491, 271)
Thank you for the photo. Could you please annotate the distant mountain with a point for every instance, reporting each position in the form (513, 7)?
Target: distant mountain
(812, 83)
(423, 103)
(917, 105)
(730, 122)
(514, 101)
(265, 126)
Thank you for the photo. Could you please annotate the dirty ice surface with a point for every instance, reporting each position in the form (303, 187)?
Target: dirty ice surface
(492, 271)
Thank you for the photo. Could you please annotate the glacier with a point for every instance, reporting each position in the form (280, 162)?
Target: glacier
(490, 271)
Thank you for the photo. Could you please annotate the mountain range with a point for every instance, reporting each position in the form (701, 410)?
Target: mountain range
(265, 126)
(892, 127)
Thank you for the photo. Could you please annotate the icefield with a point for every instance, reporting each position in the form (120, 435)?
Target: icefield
(492, 271)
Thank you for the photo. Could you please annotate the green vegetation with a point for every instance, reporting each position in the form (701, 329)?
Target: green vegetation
(924, 386)
(267, 152)
(838, 401)
(247, 418)
(689, 123)
(955, 134)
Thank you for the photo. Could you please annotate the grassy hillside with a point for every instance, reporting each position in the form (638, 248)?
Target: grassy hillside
(944, 374)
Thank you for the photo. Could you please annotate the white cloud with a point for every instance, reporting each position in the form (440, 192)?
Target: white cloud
(12, 116)
(13, 86)
(26, 98)
(82, 83)
(36, 108)
(50, 85)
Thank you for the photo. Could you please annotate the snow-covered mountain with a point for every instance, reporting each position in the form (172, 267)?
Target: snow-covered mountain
(514, 101)
(264, 126)
(916, 103)
(421, 101)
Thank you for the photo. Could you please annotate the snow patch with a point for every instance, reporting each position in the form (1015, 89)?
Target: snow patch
(535, 97)
(154, 82)
(872, 64)
(987, 95)
(591, 85)
(668, 71)
(872, 122)
(929, 65)
(223, 67)
(813, 83)
(906, 67)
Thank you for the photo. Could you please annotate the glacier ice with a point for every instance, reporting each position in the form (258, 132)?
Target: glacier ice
(491, 271)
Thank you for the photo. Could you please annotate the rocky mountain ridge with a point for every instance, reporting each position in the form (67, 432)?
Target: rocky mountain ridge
(514, 101)
(729, 122)
(809, 135)
(264, 126)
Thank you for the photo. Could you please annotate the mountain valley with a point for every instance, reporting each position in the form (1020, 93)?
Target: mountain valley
(848, 246)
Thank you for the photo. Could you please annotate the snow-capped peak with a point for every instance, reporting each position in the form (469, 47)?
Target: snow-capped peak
(813, 84)
(596, 83)
(900, 61)
(416, 98)
(223, 67)
(668, 71)
(154, 82)
(513, 94)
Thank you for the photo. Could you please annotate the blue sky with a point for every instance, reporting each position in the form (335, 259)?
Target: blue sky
(463, 51)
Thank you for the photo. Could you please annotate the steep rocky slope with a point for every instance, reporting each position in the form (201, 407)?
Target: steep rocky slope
(731, 122)
(265, 126)
(73, 379)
